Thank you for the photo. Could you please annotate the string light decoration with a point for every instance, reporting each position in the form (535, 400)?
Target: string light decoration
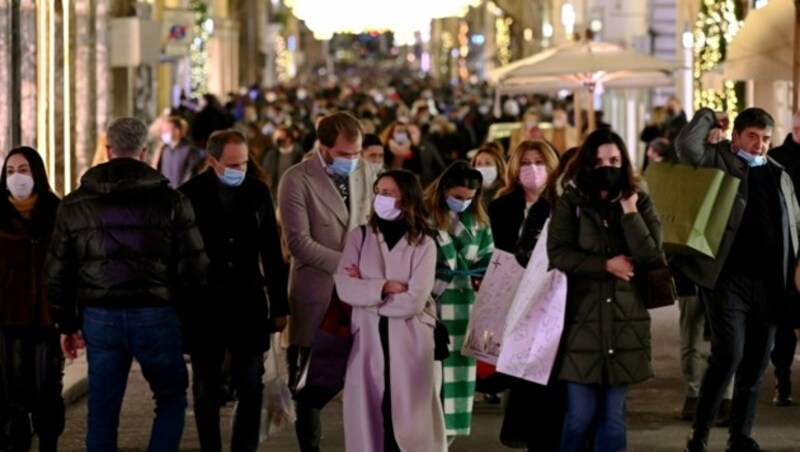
(502, 28)
(715, 27)
(198, 53)
(283, 60)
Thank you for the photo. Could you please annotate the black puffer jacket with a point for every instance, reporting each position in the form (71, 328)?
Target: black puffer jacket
(606, 338)
(123, 239)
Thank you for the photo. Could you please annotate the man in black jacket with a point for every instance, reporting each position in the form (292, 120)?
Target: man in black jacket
(782, 356)
(124, 254)
(246, 297)
(751, 274)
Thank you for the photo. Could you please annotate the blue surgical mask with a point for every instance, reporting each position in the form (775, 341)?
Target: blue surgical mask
(457, 205)
(752, 159)
(343, 166)
(232, 177)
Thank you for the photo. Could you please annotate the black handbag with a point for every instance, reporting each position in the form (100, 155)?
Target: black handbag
(441, 340)
(657, 286)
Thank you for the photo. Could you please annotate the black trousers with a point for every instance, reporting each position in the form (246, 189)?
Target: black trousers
(31, 380)
(742, 331)
(308, 426)
(783, 356)
(247, 370)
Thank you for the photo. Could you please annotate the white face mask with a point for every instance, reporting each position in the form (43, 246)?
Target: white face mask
(166, 138)
(386, 208)
(20, 185)
(489, 174)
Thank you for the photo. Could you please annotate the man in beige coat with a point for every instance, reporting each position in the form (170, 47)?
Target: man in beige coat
(320, 200)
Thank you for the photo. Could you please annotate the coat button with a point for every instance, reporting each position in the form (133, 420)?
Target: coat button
(611, 351)
(230, 240)
(608, 300)
(230, 264)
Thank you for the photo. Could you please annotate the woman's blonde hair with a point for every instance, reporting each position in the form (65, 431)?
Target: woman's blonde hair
(547, 152)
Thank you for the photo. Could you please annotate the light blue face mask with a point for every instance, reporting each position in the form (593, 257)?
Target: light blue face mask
(751, 159)
(343, 166)
(457, 205)
(232, 177)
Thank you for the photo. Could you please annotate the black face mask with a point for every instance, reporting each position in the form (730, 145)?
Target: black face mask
(607, 178)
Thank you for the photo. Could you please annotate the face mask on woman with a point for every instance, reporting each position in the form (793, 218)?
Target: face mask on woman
(20, 185)
(607, 178)
(386, 208)
(533, 177)
(400, 137)
(458, 205)
(489, 174)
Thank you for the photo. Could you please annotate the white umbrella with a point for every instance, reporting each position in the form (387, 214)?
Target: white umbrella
(583, 65)
(762, 49)
(583, 57)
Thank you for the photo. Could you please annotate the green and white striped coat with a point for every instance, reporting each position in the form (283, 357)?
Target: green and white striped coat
(462, 253)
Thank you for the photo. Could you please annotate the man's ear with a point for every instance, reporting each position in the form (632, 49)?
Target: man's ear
(108, 153)
(142, 155)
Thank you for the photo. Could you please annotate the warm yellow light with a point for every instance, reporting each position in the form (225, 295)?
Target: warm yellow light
(356, 16)
(51, 90)
(67, 99)
(41, 85)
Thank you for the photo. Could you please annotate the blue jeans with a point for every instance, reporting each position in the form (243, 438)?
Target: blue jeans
(247, 370)
(113, 338)
(598, 406)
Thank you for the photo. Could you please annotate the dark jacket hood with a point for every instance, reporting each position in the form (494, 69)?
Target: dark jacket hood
(120, 175)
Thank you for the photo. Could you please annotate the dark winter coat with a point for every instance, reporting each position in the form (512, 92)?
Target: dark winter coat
(693, 149)
(606, 338)
(538, 214)
(247, 277)
(23, 248)
(506, 215)
(123, 239)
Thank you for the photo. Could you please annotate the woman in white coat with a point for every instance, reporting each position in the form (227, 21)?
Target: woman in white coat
(386, 273)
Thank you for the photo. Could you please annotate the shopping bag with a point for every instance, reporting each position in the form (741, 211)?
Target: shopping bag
(535, 320)
(694, 205)
(323, 371)
(487, 322)
(278, 408)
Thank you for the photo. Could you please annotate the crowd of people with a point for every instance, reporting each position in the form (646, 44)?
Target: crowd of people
(207, 230)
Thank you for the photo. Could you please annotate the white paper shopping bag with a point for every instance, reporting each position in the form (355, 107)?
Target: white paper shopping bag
(487, 322)
(535, 320)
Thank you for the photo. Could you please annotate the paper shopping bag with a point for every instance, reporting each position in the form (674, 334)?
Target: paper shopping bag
(694, 205)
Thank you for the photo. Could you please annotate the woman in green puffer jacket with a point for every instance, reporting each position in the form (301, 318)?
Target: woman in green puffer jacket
(603, 232)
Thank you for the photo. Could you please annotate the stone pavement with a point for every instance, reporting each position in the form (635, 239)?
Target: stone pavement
(653, 408)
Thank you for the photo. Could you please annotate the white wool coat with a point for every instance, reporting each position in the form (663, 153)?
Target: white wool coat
(417, 414)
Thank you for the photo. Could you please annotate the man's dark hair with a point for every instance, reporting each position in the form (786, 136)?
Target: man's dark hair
(219, 139)
(342, 123)
(370, 139)
(753, 117)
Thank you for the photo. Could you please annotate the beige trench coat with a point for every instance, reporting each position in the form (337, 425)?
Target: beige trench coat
(315, 222)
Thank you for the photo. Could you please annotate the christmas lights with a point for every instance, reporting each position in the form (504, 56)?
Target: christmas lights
(716, 25)
(198, 54)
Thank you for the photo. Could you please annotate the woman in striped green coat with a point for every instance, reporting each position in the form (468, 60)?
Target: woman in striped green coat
(464, 247)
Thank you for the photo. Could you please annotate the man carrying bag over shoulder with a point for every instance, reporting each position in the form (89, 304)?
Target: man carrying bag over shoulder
(750, 273)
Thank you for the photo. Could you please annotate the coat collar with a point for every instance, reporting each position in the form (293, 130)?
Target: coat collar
(326, 190)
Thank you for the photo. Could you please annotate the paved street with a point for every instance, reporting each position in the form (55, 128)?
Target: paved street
(653, 413)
